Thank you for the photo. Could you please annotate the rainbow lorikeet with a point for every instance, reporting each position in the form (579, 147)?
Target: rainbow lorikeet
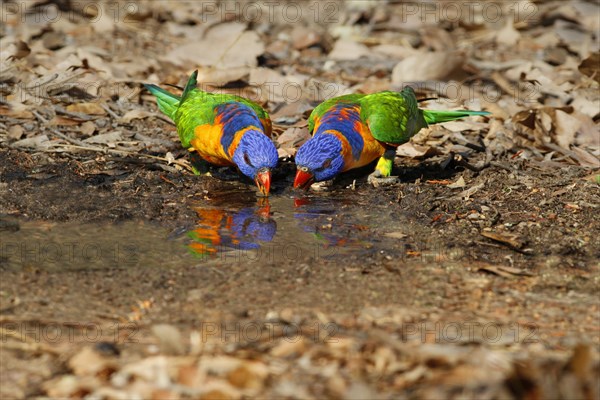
(351, 131)
(223, 128)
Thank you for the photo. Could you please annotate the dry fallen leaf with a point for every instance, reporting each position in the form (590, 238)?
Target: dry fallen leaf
(86, 108)
(585, 158)
(412, 150)
(88, 362)
(293, 137)
(39, 143)
(426, 66)
(345, 49)
(467, 193)
(566, 127)
(225, 45)
(105, 138)
(275, 87)
(591, 66)
(21, 50)
(219, 76)
(394, 51)
(303, 37)
(460, 183)
(508, 35)
(88, 128)
(135, 114)
(15, 132)
(63, 121)
(512, 240)
(17, 111)
(506, 272)
(170, 339)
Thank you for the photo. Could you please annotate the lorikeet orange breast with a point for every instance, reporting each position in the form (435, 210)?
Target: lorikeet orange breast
(353, 130)
(224, 129)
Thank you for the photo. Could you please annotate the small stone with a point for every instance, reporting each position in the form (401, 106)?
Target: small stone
(474, 216)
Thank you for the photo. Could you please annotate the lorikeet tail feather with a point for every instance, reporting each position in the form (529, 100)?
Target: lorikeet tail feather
(438, 116)
(167, 102)
(190, 85)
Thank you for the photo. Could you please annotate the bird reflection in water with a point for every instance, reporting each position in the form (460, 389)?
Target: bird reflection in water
(222, 230)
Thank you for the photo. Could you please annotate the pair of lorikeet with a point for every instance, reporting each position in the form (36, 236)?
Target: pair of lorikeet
(348, 131)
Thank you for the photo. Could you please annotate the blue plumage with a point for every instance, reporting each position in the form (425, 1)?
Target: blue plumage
(235, 117)
(344, 119)
(255, 152)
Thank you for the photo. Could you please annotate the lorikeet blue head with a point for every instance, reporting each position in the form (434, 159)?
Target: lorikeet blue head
(319, 159)
(255, 156)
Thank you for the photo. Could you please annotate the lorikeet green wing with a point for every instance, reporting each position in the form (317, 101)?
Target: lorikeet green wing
(393, 118)
(224, 129)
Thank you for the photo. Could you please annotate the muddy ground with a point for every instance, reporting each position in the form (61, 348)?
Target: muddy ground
(124, 275)
(540, 291)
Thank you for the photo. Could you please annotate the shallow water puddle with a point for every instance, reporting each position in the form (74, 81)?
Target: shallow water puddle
(230, 227)
(250, 229)
(76, 246)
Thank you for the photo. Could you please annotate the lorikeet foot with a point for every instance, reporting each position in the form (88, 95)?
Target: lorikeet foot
(322, 186)
(385, 163)
(199, 166)
(200, 171)
(376, 179)
(383, 170)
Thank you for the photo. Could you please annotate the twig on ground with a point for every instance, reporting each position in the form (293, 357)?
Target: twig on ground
(110, 112)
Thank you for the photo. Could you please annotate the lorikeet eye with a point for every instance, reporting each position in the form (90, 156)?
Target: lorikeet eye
(247, 160)
(325, 165)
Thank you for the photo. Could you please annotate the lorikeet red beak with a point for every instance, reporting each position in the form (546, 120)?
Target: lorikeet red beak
(303, 179)
(263, 181)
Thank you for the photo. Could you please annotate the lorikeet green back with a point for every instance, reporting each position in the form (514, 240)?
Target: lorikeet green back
(353, 130)
(224, 129)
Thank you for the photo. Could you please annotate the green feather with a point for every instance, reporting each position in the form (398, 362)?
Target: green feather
(167, 102)
(190, 85)
(392, 117)
(439, 116)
